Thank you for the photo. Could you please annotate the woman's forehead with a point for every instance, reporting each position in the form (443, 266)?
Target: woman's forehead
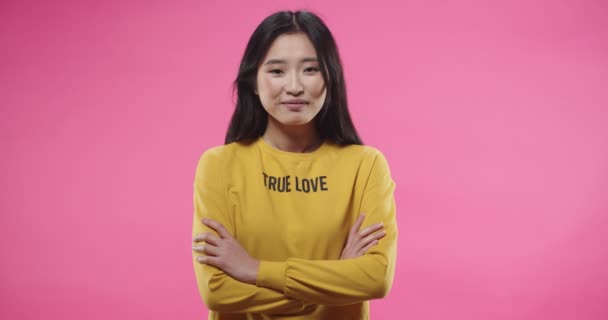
(291, 48)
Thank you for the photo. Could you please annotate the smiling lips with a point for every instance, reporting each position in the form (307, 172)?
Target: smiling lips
(295, 104)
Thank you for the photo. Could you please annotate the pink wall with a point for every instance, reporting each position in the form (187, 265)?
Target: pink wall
(492, 114)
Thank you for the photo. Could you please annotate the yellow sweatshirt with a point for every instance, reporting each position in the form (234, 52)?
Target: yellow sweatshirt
(293, 212)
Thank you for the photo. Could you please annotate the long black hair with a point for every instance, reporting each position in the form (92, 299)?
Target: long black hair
(249, 120)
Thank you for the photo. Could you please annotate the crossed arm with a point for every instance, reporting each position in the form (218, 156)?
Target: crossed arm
(229, 280)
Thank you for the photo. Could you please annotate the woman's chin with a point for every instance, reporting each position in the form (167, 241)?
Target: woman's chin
(294, 121)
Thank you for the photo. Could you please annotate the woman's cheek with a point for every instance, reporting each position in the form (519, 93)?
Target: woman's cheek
(317, 86)
(320, 90)
(274, 86)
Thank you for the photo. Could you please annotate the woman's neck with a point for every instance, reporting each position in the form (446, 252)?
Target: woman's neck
(301, 138)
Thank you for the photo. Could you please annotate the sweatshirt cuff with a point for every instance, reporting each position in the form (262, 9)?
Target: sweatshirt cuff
(271, 274)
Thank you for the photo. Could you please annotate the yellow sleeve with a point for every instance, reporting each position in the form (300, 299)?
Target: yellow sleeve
(219, 291)
(341, 282)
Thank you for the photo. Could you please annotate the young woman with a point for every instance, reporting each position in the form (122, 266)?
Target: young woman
(293, 217)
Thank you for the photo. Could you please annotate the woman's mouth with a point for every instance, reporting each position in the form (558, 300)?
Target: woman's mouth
(295, 104)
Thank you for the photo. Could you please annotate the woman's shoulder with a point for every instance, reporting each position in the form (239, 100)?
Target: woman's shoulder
(223, 153)
(365, 152)
(368, 157)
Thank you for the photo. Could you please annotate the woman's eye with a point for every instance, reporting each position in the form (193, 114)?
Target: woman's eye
(311, 69)
(275, 71)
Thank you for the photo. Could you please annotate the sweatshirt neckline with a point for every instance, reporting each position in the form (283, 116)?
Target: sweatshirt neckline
(294, 155)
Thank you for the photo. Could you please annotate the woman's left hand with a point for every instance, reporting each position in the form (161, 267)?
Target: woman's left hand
(225, 253)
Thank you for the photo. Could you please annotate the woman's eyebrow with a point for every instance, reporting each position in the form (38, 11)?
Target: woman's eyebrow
(279, 61)
(309, 59)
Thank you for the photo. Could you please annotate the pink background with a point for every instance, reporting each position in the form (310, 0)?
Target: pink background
(493, 116)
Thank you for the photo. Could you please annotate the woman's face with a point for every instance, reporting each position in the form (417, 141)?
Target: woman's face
(289, 81)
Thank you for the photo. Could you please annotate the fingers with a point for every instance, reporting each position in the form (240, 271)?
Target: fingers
(372, 237)
(370, 229)
(363, 250)
(360, 241)
(358, 223)
(218, 227)
(209, 260)
(210, 245)
(206, 249)
(207, 237)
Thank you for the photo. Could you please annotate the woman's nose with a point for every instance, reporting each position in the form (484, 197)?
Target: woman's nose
(294, 86)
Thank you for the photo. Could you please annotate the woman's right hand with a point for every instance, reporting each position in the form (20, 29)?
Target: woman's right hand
(360, 241)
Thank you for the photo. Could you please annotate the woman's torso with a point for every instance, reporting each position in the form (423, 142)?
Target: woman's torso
(285, 204)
